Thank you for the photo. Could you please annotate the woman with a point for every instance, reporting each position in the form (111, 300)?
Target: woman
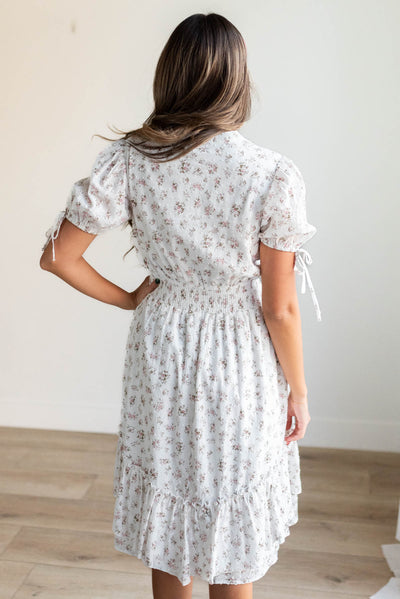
(206, 483)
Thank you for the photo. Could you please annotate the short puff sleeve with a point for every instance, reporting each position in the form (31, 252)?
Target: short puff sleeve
(284, 225)
(101, 201)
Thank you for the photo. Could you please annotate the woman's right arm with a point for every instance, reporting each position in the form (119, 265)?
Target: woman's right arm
(282, 316)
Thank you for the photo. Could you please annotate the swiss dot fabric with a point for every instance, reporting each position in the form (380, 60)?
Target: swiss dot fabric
(204, 483)
(284, 224)
(99, 202)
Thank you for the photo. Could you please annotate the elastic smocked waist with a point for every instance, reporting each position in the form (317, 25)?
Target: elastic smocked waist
(197, 297)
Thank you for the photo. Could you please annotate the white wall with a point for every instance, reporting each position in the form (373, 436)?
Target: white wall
(328, 97)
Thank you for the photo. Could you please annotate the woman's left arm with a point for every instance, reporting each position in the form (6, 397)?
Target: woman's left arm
(70, 266)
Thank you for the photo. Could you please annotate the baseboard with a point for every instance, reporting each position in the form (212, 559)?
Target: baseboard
(368, 435)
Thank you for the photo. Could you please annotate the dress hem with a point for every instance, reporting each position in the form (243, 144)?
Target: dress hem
(146, 517)
(217, 579)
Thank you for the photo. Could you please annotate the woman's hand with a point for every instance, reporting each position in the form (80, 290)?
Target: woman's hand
(297, 407)
(137, 296)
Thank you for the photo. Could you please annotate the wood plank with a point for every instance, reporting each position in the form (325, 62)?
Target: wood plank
(348, 507)
(279, 592)
(327, 572)
(58, 582)
(334, 536)
(12, 576)
(101, 488)
(62, 460)
(46, 483)
(34, 438)
(74, 514)
(385, 480)
(335, 480)
(348, 457)
(62, 547)
(7, 533)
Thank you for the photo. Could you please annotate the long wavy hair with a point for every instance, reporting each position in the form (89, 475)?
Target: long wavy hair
(201, 87)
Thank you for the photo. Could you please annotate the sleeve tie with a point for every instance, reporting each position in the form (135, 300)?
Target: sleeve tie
(302, 258)
(53, 232)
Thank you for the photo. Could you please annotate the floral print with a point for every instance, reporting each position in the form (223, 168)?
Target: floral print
(97, 203)
(204, 483)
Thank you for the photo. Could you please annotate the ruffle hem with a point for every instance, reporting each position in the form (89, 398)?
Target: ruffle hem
(185, 538)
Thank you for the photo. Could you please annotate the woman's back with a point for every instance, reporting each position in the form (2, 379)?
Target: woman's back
(197, 219)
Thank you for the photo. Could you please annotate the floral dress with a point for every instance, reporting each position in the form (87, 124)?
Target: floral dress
(204, 483)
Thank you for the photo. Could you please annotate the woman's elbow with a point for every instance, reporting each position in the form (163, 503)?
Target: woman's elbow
(279, 313)
(44, 263)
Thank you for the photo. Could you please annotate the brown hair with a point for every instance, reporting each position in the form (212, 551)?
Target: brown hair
(201, 88)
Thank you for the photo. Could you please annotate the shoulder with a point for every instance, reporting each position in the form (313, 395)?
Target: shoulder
(274, 158)
(113, 153)
(260, 161)
(256, 151)
(113, 149)
(110, 163)
(288, 174)
(271, 165)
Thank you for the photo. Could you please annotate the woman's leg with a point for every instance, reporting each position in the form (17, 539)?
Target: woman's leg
(167, 586)
(231, 591)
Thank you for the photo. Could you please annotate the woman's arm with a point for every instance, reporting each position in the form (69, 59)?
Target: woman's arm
(282, 315)
(70, 266)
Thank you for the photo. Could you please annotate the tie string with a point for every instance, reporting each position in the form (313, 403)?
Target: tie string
(53, 232)
(302, 258)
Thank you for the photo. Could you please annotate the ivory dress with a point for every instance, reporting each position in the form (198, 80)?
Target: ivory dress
(204, 482)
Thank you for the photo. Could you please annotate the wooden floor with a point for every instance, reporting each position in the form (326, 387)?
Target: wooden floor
(56, 508)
